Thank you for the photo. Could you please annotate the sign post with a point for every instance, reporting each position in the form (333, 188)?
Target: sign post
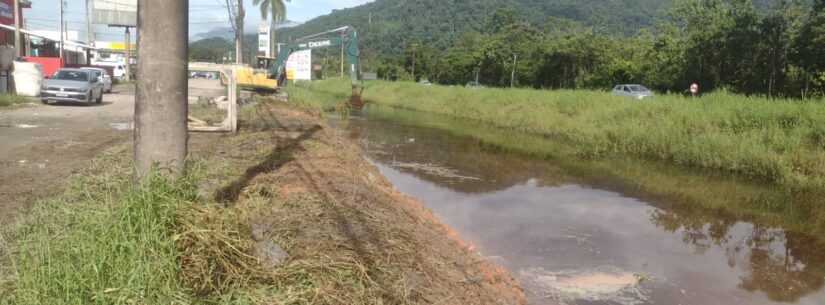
(118, 13)
(263, 40)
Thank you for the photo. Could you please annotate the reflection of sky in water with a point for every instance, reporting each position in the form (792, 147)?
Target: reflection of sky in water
(553, 224)
(575, 228)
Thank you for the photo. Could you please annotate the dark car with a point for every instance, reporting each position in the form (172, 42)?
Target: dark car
(72, 85)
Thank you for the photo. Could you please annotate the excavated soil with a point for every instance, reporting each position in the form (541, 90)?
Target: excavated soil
(346, 231)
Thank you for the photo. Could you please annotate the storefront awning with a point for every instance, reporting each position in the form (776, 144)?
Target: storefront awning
(67, 42)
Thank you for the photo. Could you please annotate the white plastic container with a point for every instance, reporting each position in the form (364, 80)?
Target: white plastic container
(28, 78)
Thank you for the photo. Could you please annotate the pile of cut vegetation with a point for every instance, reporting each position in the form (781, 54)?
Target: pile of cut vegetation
(281, 213)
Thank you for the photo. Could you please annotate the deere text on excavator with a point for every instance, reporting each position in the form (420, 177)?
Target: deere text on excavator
(271, 75)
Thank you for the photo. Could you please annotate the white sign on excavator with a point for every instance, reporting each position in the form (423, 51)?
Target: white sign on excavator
(318, 44)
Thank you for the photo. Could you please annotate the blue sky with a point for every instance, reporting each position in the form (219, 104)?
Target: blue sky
(204, 15)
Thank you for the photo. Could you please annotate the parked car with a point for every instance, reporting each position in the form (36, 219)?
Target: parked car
(637, 91)
(474, 85)
(103, 77)
(202, 74)
(72, 85)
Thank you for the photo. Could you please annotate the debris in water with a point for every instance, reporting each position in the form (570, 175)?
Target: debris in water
(433, 169)
(25, 126)
(355, 101)
(600, 284)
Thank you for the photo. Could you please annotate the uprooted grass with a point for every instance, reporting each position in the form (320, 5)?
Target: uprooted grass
(106, 241)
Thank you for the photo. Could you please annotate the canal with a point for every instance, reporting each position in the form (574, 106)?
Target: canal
(576, 230)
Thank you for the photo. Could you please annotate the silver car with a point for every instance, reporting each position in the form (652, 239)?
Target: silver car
(636, 91)
(72, 85)
(103, 77)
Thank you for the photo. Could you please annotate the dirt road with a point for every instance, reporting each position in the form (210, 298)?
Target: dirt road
(42, 145)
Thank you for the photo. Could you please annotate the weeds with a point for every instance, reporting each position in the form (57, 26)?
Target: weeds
(103, 241)
(11, 99)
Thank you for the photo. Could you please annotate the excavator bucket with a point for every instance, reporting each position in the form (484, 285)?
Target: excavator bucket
(355, 100)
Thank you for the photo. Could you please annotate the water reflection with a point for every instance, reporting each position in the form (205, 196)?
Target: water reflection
(560, 221)
(783, 264)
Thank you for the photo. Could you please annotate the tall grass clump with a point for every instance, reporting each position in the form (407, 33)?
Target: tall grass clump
(11, 99)
(102, 242)
(777, 140)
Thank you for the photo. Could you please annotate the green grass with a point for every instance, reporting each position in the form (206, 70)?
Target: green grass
(207, 111)
(707, 194)
(11, 99)
(102, 241)
(782, 141)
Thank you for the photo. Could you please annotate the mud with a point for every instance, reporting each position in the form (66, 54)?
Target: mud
(41, 146)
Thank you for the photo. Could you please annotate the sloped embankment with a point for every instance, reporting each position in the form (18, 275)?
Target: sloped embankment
(349, 236)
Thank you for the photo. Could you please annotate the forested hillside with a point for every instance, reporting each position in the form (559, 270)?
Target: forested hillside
(388, 24)
(766, 47)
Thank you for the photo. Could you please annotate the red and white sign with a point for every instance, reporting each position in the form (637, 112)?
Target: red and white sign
(694, 88)
(7, 11)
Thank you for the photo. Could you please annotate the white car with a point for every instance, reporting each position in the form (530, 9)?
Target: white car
(636, 91)
(72, 85)
(103, 77)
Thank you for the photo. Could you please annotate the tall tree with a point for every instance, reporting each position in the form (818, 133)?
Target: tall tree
(275, 10)
(809, 46)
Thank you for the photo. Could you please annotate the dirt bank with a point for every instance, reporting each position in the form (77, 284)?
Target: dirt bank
(350, 237)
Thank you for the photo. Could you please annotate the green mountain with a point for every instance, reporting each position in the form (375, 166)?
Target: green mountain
(210, 49)
(387, 25)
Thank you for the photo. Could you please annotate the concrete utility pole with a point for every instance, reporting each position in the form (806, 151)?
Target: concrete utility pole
(342, 56)
(161, 92)
(239, 34)
(62, 27)
(88, 26)
(127, 50)
(17, 43)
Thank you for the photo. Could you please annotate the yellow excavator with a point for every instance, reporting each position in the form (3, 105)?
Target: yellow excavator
(270, 73)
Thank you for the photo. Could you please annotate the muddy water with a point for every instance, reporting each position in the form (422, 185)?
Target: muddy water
(607, 232)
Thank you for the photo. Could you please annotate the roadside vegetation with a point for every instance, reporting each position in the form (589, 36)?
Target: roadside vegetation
(11, 99)
(782, 141)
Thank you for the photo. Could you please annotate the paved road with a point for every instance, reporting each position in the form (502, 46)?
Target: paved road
(43, 144)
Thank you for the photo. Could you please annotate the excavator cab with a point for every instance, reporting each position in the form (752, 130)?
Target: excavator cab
(264, 62)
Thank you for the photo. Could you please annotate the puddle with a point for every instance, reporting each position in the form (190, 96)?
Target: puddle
(122, 126)
(556, 224)
(22, 126)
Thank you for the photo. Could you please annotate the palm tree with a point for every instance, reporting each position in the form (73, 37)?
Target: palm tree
(276, 9)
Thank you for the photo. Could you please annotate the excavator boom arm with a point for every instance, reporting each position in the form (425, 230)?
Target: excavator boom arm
(349, 39)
